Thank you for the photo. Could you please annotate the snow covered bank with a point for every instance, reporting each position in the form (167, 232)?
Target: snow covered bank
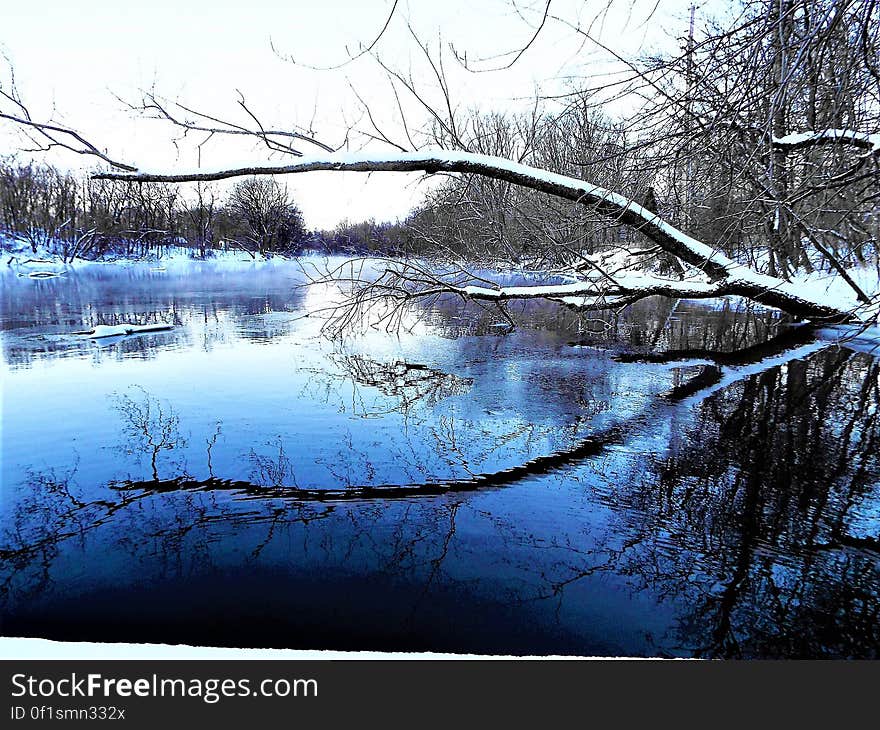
(47, 261)
(612, 279)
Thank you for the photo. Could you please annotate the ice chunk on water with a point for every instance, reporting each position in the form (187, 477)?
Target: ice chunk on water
(115, 330)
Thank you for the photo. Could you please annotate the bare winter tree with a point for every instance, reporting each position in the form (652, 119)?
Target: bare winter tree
(201, 218)
(264, 216)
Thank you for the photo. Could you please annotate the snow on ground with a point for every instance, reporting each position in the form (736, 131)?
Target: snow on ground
(832, 289)
(14, 648)
(830, 285)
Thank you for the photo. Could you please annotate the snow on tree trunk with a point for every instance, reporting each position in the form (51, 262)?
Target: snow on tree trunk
(723, 275)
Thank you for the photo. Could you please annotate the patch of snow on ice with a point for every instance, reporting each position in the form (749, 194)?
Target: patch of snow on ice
(115, 330)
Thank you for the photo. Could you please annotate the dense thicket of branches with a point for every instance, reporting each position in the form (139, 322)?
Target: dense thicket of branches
(495, 220)
(727, 107)
(371, 237)
(713, 148)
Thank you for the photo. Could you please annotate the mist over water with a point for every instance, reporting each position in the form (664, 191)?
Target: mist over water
(244, 480)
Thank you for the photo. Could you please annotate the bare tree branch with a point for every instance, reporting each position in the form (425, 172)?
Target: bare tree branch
(151, 103)
(364, 51)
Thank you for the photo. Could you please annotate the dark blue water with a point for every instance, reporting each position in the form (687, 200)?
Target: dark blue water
(244, 479)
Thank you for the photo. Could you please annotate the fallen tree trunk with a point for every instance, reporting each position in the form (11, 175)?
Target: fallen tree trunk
(723, 275)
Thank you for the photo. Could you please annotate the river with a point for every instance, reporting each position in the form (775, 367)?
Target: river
(455, 485)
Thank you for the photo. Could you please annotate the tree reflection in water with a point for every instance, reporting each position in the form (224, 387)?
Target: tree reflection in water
(769, 497)
(148, 426)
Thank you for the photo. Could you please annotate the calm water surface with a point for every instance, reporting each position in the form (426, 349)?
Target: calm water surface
(244, 480)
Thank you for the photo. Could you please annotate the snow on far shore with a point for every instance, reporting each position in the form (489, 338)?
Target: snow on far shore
(823, 286)
(832, 289)
(45, 263)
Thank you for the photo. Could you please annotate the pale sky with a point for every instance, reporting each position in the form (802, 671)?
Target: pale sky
(76, 56)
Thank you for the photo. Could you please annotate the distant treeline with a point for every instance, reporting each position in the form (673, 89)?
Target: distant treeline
(74, 216)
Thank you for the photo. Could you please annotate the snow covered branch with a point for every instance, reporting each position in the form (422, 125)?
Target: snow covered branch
(690, 250)
(800, 140)
(725, 276)
(627, 289)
